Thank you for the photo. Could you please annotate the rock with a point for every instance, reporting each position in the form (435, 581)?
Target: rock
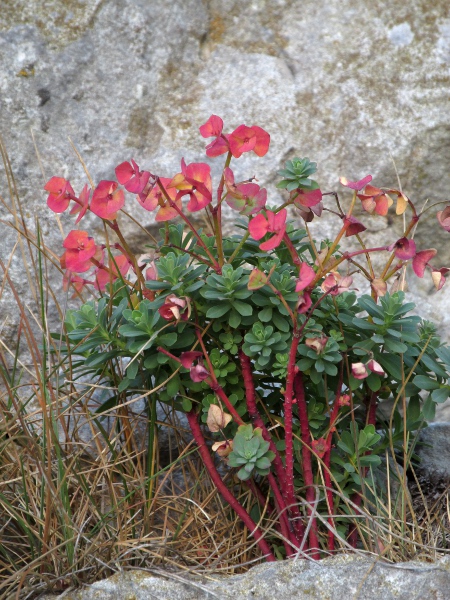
(331, 579)
(347, 85)
(433, 450)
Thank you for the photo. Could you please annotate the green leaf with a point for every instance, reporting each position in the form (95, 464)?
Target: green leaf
(395, 346)
(186, 404)
(371, 460)
(265, 315)
(429, 409)
(234, 319)
(123, 384)
(217, 311)
(440, 395)
(425, 383)
(243, 309)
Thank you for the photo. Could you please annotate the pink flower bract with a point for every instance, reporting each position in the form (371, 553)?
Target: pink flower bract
(319, 447)
(155, 198)
(187, 358)
(304, 302)
(374, 200)
(129, 175)
(120, 265)
(274, 223)
(443, 216)
(305, 199)
(355, 185)
(244, 139)
(353, 226)
(80, 248)
(107, 200)
(359, 370)
(195, 181)
(404, 248)
(305, 277)
(61, 192)
(438, 277)
(82, 207)
(421, 260)
(212, 127)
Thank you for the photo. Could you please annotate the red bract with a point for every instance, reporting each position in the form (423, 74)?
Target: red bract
(103, 276)
(212, 128)
(244, 139)
(304, 302)
(355, 185)
(443, 216)
(80, 248)
(175, 308)
(107, 200)
(305, 277)
(317, 343)
(82, 207)
(379, 286)
(307, 213)
(274, 223)
(344, 400)
(61, 192)
(194, 180)
(199, 373)
(359, 371)
(353, 226)
(129, 175)
(374, 200)
(404, 249)
(70, 279)
(246, 197)
(307, 199)
(438, 277)
(156, 198)
(421, 259)
(319, 447)
(402, 201)
(257, 279)
(375, 367)
(187, 358)
(335, 284)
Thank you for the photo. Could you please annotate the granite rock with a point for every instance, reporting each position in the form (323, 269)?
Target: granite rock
(331, 579)
(356, 87)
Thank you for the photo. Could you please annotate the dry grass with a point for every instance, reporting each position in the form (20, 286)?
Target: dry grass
(84, 494)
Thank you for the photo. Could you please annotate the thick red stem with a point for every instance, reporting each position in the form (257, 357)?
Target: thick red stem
(307, 461)
(288, 491)
(357, 496)
(250, 397)
(327, 460)
(224, 491)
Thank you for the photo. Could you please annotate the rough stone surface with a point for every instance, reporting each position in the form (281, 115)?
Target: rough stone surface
(434, 450)
(332, 579)
(347, 84)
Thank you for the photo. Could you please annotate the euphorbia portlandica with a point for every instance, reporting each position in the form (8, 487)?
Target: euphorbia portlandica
(260, 335)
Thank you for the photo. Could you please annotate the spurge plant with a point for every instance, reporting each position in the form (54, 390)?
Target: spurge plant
(260, 335)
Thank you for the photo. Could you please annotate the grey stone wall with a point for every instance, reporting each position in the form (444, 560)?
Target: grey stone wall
(355, 86)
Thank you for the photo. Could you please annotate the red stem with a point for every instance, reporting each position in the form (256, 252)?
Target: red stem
(212, 382)
(307, 461)
(250, 396)
(224, 491)
(288, 490)
(357, 496)
(292, 251)
(327, 460)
